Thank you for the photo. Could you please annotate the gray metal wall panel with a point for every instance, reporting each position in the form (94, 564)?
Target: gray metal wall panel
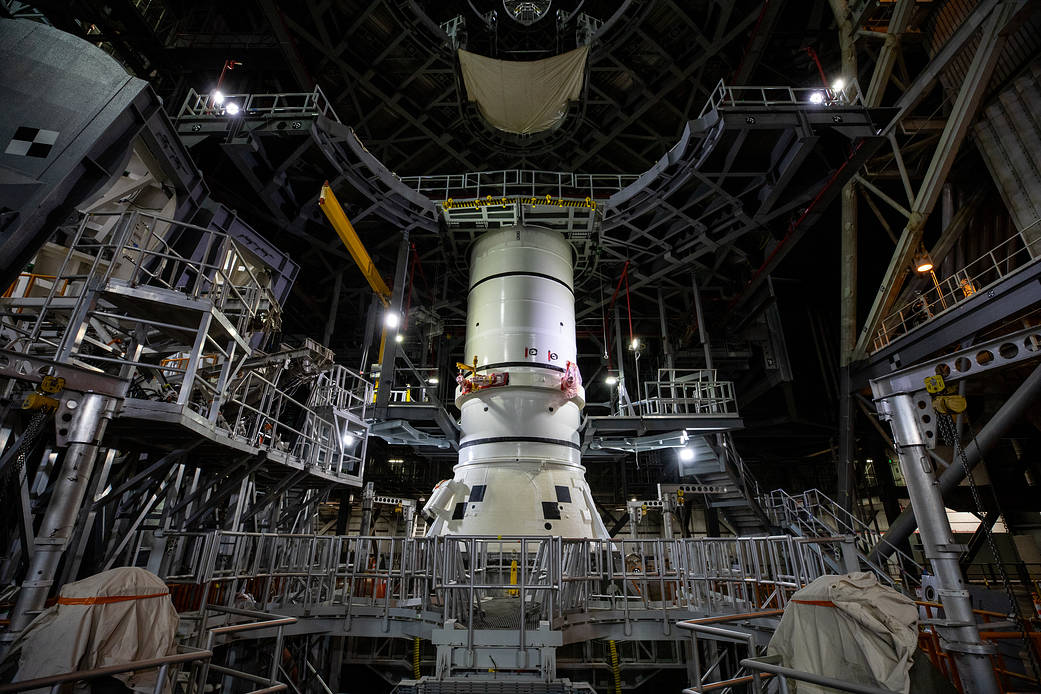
(1020, 47)
(1008, 135)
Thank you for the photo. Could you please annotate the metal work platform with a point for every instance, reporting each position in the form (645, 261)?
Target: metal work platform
(708, 183)
(1001, 283)
(403, 587)
(498, 611)
(178, 312)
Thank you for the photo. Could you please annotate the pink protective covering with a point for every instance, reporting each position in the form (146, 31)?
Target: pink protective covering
(571, 381)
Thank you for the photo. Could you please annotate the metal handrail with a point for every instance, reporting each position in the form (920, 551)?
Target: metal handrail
(717, 633)
(162, 663)
(805, 510)
(526, 182)
(134, 254)
(1007, 258)
(312, 103)
(449, 575)
(267, 621)
(732, 96)
(764, 664)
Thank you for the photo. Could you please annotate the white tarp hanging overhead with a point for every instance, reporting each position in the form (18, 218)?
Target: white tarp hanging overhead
(851, 628)
(524, 97)
(111, 618)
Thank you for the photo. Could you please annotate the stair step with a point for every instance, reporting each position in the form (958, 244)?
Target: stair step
(732, 503)
(705, 470)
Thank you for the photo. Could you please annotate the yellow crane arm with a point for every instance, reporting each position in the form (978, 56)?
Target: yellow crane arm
(336, 216)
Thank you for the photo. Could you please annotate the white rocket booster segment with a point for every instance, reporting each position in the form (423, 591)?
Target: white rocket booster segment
(519, 470)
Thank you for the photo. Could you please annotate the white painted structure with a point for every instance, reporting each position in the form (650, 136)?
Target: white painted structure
(519, 470)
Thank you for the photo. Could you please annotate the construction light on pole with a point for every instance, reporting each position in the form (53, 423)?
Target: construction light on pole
(924, 264)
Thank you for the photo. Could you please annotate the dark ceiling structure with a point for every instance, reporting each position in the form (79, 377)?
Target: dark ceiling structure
(389, 71)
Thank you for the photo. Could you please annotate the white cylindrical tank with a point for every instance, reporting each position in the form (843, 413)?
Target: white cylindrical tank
(520, 470)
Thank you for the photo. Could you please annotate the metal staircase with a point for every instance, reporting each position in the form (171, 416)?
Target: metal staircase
(717, 464)
(813, 515)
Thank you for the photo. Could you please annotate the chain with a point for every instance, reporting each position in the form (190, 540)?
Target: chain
(950, 437)
(32, 430)
(10, 472)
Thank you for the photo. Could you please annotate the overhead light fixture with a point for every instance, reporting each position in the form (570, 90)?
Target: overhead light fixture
(392, 320)
(611, 380)
(348, 439)
(231, 109)
(922, 262)
(218, 97)
(817, 98)
(635, 343)
(432, 380)
(399, 338)
(686, 454)
(839, 85)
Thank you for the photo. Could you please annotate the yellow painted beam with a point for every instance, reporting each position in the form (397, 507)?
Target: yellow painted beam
(336, 216)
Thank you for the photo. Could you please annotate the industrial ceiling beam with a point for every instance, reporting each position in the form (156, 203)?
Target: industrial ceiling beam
(277, 22)
(723, 38)
(992, 40)
(902, 14)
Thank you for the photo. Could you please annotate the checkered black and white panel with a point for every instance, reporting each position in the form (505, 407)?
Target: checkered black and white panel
(32, 142)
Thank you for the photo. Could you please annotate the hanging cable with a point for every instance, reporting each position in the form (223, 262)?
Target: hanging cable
(422, 275)
(411, 277)
(949, 434)
(628, 306)
(603, 320)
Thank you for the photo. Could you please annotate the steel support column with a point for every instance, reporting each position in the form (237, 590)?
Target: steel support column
(703, 336)
(959, 635)
(368, 497)
(999, 423)
(887, 56)
(390, 350)
(334, 307)
(848, 295)
(59, 519)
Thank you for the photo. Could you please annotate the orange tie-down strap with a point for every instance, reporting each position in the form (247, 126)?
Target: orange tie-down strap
(818, 603)
(107, 599)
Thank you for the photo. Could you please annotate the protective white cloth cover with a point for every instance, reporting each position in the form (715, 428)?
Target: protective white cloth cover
(849, 627)
(523, 96)
(97, 622)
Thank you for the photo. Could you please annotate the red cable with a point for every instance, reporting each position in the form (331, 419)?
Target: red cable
(422, 275)
(628, 306)
(820, 68)
(607, 324)
(751, 38)
(625, 269)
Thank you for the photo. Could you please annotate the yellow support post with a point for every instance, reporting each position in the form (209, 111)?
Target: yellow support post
(513, 578)
(336, 216)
